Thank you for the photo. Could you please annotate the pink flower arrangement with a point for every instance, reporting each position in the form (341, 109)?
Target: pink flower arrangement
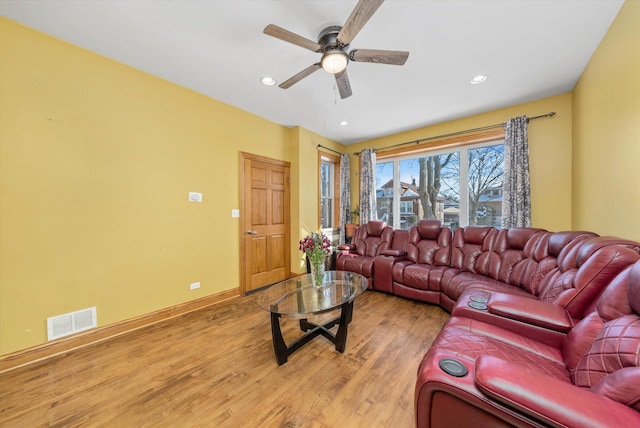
(316, 246)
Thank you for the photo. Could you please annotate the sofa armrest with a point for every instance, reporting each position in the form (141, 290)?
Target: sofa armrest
(548, 399)
(530, 311)
(383, 268)
(346, 247)
(393, 253)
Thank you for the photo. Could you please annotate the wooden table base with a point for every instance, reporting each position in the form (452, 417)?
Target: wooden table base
(313, 330)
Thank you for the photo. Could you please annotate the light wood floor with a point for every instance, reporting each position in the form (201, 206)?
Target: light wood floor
(216, 368)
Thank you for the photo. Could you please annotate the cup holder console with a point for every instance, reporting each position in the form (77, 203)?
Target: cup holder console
(478, 302)
(453, 367)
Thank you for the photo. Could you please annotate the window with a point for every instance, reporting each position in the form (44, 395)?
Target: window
(329, 191)
(421, 186)
(384, 191)
(406, 207)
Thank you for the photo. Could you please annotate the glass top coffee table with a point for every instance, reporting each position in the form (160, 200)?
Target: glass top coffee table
(298, 297)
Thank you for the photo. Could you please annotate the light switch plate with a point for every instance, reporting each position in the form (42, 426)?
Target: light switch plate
(235, 213)
(195, 197)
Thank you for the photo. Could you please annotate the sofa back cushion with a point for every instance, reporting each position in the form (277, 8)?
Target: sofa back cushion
(429, 243)
(471, 248)
(562, 256)
(516, 255)
(373, 237)
(608, 339)
(621, 386)
(583, 272)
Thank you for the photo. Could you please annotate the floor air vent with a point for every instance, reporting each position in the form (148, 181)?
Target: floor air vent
(73, 322)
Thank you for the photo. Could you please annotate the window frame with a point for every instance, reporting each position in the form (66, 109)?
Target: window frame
(334, 161)
(469, 142)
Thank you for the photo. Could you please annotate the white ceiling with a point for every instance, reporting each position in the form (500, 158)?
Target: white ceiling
(530, 49)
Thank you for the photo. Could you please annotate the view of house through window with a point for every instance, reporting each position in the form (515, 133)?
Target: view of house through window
(429, 187)
(329, 191)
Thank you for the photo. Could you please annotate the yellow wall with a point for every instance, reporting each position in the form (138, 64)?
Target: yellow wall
(304, 199)
(96, 162)
(606, 129)
(549, 150)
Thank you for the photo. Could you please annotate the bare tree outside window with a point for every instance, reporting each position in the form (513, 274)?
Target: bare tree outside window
(431, 169)
(423, 182)
(485, 185)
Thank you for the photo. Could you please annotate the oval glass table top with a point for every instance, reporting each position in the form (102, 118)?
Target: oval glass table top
(298, 296)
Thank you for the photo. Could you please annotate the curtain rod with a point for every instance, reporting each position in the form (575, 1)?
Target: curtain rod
(466, 131)
(327, 148)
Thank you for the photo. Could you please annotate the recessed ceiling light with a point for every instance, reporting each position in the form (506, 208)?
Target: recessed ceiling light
(478, 79)
(268, 81)
(344, 123)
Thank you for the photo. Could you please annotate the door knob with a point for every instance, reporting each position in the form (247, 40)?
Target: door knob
(251, 232)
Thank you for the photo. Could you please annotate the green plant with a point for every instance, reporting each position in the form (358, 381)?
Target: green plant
(355, 214)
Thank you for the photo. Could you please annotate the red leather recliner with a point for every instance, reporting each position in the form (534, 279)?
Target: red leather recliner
(568, 290)
(496, 377)
(369, 240)
(428, 256)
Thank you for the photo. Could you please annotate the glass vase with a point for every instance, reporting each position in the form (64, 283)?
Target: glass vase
(317, 273)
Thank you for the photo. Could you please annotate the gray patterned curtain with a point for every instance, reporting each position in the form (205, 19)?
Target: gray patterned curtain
(345, 194)
(516, 193)
(367, 185)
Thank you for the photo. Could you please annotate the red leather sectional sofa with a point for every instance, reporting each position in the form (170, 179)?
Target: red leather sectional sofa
(545, 327)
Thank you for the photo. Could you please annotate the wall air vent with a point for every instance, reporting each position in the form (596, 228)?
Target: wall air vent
(73, 322)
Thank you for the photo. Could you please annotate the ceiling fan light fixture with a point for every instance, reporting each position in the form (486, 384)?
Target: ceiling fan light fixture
(334, 61)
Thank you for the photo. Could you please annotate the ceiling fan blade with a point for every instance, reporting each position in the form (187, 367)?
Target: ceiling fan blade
(298, 77)
(343, 84)
(363, 11)
(379, 56)
(288, 36)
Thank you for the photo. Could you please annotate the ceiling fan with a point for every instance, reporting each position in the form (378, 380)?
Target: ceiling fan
(333, 43)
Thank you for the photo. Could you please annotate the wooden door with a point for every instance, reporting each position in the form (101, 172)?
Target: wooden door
(264, 219)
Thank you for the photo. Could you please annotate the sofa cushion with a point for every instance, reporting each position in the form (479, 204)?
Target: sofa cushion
(622, 386)
(359, 264)
(471, 248)
(420, 276)
(429, 243)
(372, 238)
(617, 346)
(429, 229)
(518, 253)
(467, 341)
(375, 227)
(455, 286)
